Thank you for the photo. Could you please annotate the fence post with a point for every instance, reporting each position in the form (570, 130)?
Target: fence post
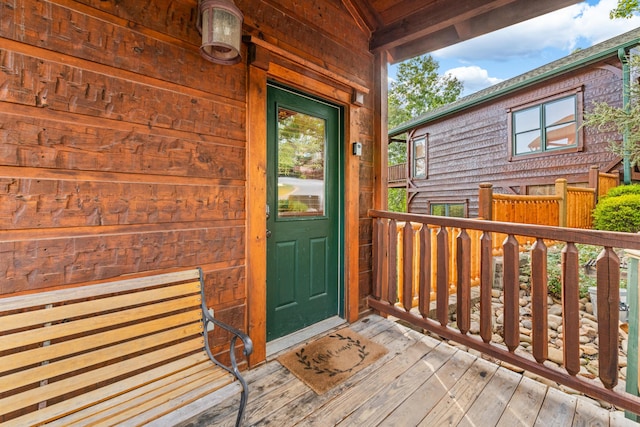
(594, 181)
(485, 201)
(561, 191)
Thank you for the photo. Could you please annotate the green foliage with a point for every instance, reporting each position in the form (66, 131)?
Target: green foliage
(397, 200)
(554, 269)
(418, 89)
(625, 9)
(623, 189)
(618, 213)
(620, 121)
(286, 205)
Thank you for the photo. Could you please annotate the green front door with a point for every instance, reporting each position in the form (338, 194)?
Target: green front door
(303, 212)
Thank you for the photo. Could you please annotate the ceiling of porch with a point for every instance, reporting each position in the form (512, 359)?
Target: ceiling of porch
(407, 28)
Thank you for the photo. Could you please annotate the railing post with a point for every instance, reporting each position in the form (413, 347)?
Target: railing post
(485, 201)
(561, 191)
(594, 180)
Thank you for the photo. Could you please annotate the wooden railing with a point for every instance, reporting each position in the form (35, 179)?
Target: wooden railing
(434, 240)
(397, 173)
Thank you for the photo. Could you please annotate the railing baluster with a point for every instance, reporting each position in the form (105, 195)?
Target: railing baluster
(486, 285)
(539, 293)
(378, 258)
(511, 285)
(608, 276)
(424, 294)
(571, 308)
(407, 267)
(463, 297)
(442, 278)
(392, 291)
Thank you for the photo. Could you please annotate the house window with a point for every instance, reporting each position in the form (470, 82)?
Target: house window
(419, 160)
(458, 210)
(545, 127)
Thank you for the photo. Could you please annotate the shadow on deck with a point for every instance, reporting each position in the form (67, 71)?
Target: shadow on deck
(420, 381)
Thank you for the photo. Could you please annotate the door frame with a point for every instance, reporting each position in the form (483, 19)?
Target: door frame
(265, 66)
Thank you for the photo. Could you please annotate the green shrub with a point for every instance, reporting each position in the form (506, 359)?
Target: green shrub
(554, 269)
(618, 213)
(623, 189)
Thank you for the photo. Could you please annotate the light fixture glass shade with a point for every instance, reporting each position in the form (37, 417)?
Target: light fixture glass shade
(221, 27)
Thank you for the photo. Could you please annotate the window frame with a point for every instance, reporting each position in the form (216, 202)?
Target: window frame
(578, 93)
(447, 203)
(413, 158)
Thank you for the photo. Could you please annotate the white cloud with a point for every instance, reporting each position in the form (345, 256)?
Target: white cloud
(562, 29)
(473, 77)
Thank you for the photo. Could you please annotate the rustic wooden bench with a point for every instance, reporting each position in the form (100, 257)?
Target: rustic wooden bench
(128, 352)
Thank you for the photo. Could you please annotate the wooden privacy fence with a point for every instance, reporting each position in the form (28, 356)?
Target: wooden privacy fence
(405, 236)
(568, 207)
(434, 241)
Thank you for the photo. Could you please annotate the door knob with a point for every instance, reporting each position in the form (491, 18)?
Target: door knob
(268, 233)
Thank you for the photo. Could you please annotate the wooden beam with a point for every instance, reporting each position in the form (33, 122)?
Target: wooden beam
(256, 242)
(442, 25)
(352, 82)
(366, 19)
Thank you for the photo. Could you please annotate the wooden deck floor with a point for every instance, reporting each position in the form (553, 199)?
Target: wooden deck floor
(420, 381)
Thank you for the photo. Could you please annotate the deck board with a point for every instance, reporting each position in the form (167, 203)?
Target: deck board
(420, 381)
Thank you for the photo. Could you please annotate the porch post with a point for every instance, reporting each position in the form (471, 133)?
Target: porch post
(485, 201)
(561, 191)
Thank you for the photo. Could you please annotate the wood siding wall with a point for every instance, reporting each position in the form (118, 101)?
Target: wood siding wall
(471, 147)
(123, 151)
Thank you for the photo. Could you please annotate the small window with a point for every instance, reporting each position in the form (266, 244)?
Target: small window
(458, 210)
(419, 168)
(548, 126)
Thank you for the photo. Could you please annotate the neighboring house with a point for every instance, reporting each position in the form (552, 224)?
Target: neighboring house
(520, 135)
(124, 151)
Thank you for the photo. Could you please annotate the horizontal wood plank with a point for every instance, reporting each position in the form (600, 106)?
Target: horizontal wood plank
(103, 288)
(88, 379)
(102, 355)
(92, 306)
(80, 402)
(34, 336)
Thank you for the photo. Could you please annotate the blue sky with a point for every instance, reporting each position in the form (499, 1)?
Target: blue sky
(489, 59)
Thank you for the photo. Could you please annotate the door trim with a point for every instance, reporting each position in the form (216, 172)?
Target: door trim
(265, 67)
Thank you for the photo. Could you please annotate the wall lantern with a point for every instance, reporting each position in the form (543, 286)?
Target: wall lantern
(220, 23)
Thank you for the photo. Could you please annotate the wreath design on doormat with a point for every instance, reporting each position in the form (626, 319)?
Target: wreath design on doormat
(313, 363)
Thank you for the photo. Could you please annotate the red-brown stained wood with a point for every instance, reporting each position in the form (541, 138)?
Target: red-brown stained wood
(541, 234)
(392, 291)
(539, 294)
(378, 258)
(570, 308)
(463, 297)
(424, 273)
(608, 280)
(511, 285)
(407, 267)
(442, 279)
(486, 285)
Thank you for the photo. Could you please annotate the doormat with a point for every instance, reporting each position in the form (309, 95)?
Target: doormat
(330, 360)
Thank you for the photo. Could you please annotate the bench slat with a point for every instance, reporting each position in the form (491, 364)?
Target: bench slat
(39, 335)
(179, 379)
(105, 288)
(54, 351)
(71, 364)
(55, 314)
(102, 394)
(87, 379)
(158, 402)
